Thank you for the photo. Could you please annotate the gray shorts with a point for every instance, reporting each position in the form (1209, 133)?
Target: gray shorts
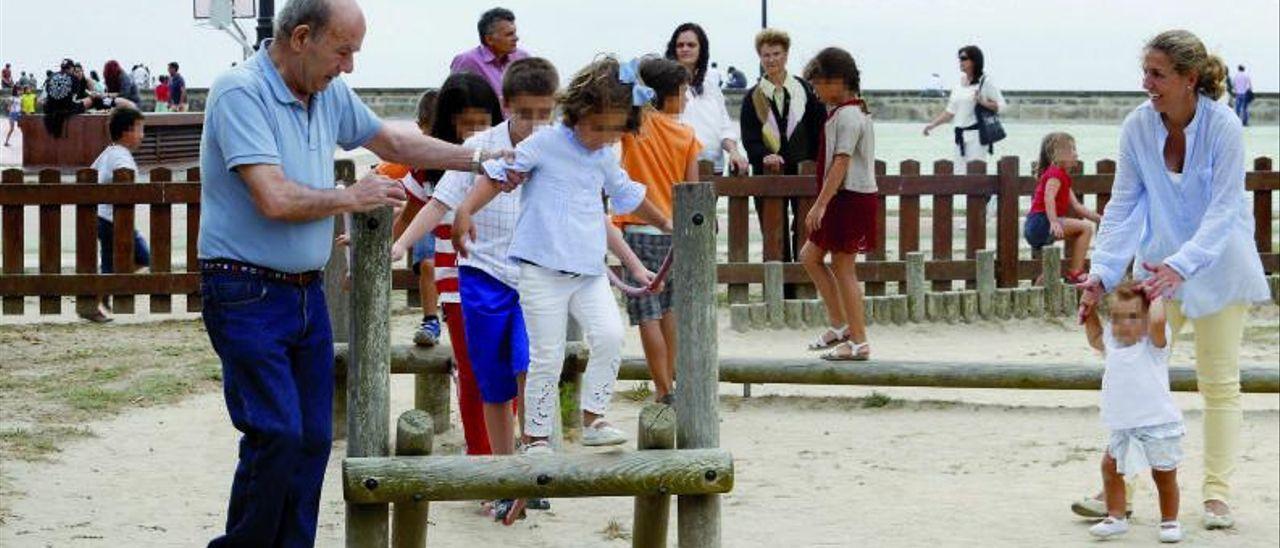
(652, 249)
(1156, 447)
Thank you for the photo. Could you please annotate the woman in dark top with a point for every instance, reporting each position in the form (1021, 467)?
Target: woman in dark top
(118, 83)
(781, 116)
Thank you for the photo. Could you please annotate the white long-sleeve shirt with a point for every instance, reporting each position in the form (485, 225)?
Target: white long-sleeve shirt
(1198, 223)
(709, 118)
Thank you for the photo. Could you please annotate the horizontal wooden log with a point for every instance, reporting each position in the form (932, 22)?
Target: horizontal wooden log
(380, 480)
(1253, 377)
(405, 359)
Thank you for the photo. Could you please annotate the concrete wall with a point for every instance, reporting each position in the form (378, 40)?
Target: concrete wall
(1103, 107)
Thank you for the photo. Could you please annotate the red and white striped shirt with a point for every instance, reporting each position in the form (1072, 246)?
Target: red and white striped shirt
(446, 260)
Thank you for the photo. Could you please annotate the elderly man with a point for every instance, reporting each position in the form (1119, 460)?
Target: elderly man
(271, 128)
(497, 49)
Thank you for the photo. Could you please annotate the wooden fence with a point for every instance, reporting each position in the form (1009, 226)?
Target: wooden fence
(903, 199)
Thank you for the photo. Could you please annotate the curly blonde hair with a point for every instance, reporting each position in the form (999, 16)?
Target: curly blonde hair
(1189, 55)
(596, 89)
(773, 37)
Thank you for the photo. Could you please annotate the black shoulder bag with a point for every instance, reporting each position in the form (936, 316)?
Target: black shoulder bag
(990, 131)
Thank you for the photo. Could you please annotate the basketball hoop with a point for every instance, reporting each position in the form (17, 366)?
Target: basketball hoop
(222, 15)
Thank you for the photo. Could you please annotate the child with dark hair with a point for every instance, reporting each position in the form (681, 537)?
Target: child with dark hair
(842, 221)
(560, 238)
(1145, 424)
(662, 153)
(125, 126)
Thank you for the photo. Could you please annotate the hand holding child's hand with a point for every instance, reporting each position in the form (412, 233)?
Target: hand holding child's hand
(398, 251)
(1090, 297)
(1164, 280)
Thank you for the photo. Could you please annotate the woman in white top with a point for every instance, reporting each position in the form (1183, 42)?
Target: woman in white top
(1179, 211)
(704, 108)
(975, 88)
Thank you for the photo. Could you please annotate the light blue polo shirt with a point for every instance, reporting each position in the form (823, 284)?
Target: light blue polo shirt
(251, 117)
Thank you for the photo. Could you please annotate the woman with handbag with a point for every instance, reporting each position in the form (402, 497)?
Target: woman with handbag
(974, 103)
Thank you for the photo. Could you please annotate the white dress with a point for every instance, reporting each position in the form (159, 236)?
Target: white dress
(710, 119)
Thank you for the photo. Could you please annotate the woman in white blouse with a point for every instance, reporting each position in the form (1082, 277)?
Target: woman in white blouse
(704, 109)
(975, 88)
(1179, 211)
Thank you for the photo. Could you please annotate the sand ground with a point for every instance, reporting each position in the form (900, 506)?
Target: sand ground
(815, 466)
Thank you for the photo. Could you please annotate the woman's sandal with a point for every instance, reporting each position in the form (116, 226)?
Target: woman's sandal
(829, 338)
(857, 352)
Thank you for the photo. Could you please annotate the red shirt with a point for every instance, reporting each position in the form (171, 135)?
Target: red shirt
(162, 93)
(1062, 201)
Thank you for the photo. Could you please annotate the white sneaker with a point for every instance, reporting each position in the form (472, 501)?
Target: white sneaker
(1091, 507)
(1218, 521)
(1109, 527)
(602, 433)
(540, 447)
(1170, 531)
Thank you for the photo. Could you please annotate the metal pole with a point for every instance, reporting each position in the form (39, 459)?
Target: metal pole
(266, 12)
(764, 24)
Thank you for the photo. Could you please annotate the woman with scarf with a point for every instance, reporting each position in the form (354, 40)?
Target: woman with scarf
(781, 119)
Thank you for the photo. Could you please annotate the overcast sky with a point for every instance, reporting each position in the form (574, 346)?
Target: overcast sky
(1029, 44)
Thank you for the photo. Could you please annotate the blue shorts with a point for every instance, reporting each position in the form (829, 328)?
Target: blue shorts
(1036, 230)
(496, 338)
(423, 250)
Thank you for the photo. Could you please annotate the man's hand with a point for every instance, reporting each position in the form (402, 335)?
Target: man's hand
(738, 165)
(774, 162)
(373, 191)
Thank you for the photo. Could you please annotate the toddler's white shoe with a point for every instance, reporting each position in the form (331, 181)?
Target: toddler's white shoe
(1170, 531)
(540, 447)
(1109, 527)
(602, 433)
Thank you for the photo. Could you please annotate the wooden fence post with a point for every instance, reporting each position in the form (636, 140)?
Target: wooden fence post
(1051, 260)
(86, 241)
(652, 513)
(986, 277)
(51, 243)
(414, 437)
(369, 371)
(1007, 223)
(698, 422)
(917, 286)
(337, 297)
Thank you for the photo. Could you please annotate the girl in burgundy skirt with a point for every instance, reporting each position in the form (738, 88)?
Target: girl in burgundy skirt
(842, 221)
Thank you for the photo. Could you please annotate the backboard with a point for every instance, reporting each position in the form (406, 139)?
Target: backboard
(240, 9)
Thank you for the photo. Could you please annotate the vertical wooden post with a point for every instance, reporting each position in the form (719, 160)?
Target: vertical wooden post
(86, 241)
(975, 224)
(877, 254)
(773, 293)
(986, 276)
(122, 241)
(1262, 209)
(1007, 223)
(369, 371)
(431, 393)
(193, 246)
(12, 254)
(337, 296)
(1051, 261)
(941, 219)
(161, 242)
(698, 422)
(652, 513)
(908, 215)
(739, 242)
(414, 437)
(916, 285)
(50, 242)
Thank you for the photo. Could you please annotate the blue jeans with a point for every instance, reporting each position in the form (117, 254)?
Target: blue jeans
(107, 250)
(276, 348)
(1242, 109)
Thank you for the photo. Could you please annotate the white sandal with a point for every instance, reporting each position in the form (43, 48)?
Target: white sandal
(858, 352)
(829, 338)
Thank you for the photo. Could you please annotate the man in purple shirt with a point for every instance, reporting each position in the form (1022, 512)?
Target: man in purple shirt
(497, 49)
(1242, 86)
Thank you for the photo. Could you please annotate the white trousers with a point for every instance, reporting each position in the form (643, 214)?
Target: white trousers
(547, 298)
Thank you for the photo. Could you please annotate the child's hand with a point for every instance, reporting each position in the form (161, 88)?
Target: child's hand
(1056, 229)
(343, 240)
(397, 252)
(1090, 297)
(814, 219)
(642, 275)
(463, 230)
(514, 179)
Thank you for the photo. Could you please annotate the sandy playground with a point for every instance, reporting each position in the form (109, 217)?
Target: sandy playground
(815, 466)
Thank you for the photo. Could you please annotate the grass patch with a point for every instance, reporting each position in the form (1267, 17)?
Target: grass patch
(36, 444)
(614, 530)
(637, 393)
(876, 400)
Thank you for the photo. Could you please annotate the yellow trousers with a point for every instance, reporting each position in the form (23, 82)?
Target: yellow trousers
(1217, 340)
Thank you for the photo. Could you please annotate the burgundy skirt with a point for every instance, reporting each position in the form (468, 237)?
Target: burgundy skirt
(849, 224)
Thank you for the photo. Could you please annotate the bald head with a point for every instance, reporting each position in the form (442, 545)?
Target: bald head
(316, 41)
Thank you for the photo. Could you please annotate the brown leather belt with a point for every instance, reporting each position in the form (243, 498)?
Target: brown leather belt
(224, 265)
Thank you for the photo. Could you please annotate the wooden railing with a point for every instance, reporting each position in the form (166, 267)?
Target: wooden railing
(901, 221)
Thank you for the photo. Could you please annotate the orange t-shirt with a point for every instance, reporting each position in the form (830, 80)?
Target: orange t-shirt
(657, 156)
(392, 171)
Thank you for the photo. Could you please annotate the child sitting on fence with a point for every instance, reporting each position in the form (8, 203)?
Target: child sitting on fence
(1052, 201)
(560, 239)
(662, 153)
(125, 126)
(842, 221)
(1137, 407)
(424, 248)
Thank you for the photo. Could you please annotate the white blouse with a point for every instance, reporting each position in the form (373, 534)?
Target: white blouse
(709, 118)
(961, 103)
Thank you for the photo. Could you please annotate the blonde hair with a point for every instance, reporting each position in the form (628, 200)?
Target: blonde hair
(772, 37)
(1189, 55)
(1129, 290)
(1049, 147)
